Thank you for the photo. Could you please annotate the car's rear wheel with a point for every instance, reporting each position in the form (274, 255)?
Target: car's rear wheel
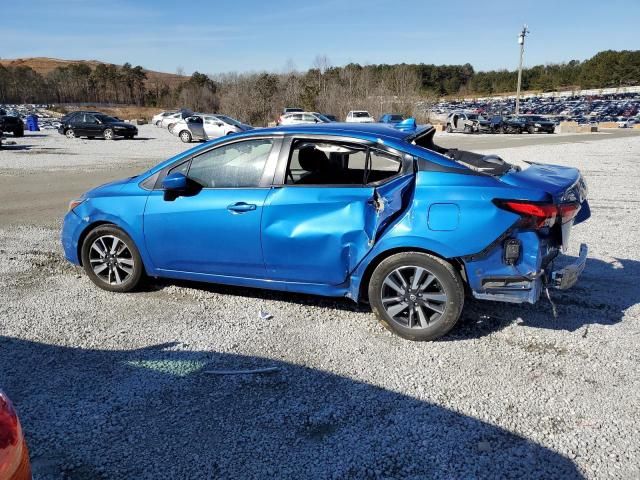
(170, 126)
(158, 123)
(108, 134)
(185, 136)
(449, 129)
(416, 295)
(531, 129)
(111, 260)
(70, 133)
(18, 132)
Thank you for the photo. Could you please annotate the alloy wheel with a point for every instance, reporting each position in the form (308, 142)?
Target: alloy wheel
(70, 134)
(111, 260)
(413, 297)
(108, 134)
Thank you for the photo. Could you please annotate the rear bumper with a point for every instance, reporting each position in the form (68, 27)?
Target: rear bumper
(491, 278)
(567, 277)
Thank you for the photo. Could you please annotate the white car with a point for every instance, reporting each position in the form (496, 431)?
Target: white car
(359, 116)
(626, 123)
(157, 119)
(302, 118)
(206, 127)
(173, 118)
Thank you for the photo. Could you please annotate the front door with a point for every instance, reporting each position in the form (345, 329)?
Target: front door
(214, 228)
(213, 127)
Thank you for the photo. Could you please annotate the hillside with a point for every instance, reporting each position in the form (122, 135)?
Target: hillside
(44, 65)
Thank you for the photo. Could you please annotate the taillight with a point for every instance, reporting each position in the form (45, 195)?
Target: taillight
(540, 215)
(568, 211)
(534, 215)
(14, 455)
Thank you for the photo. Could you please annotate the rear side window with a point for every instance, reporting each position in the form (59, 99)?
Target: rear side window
(324, 163)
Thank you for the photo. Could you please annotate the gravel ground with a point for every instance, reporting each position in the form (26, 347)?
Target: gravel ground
(124, 386)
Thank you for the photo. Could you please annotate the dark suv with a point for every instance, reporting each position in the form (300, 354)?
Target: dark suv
(11, 123)
(95, 124)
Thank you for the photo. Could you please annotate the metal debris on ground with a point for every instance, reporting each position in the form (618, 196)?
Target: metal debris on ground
(253, 371)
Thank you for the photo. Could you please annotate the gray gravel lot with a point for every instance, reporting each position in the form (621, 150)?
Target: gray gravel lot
(117, 385)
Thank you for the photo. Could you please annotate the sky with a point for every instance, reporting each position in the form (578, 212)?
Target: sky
(221, 36)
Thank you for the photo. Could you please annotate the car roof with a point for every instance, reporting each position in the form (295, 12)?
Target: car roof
(368, 131)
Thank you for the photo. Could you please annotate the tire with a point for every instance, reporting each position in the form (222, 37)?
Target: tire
(123, 265)
(467, 129)
(531, 130)
(69, 133)
(170, 126)
(158, 123)
(449, 129)
(109, 134)
(185, 136)
(18, 132)
(428, 319)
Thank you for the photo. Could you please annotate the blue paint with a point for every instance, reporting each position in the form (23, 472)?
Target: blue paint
(324, 239)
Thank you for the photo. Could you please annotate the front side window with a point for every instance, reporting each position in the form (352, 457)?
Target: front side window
(236, 165)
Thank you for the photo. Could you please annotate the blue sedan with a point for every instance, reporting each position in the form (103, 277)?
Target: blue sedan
(372, 212)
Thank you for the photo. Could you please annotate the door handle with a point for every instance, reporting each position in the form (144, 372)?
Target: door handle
(241, 207)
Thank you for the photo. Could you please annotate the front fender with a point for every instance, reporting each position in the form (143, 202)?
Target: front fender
(127, 216)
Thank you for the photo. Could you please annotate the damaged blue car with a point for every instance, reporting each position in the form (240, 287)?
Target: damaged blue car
(371, 212)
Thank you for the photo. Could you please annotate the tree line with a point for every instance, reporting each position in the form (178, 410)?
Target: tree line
(257, 97)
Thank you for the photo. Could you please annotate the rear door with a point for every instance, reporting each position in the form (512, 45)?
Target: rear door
(318, 225)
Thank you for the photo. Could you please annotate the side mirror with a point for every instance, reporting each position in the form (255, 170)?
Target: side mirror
(174, 182)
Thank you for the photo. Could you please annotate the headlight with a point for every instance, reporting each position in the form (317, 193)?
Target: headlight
(537, 125)
(74, 203)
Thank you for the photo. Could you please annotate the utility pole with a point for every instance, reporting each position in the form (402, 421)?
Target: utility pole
(523, 34)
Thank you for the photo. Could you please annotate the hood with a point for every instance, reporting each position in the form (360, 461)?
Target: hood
(108, 189)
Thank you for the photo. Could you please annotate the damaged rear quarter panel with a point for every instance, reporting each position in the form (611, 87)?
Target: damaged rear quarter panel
(479, 223)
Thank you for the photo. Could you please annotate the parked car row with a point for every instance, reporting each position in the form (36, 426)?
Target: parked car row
(469, 122)
(622, 108)
(297, 116)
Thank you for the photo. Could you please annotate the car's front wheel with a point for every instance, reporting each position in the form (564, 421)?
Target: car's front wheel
(449, 129)
(185, 136)
(111, 260)
(109, 134)
(70, 133)
(416, 295)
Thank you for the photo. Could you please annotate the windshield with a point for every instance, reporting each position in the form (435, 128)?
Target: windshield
(106, 119)
(229, 120)
(360, 114)
(472, 116)
(537, 118)
(323, 118)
